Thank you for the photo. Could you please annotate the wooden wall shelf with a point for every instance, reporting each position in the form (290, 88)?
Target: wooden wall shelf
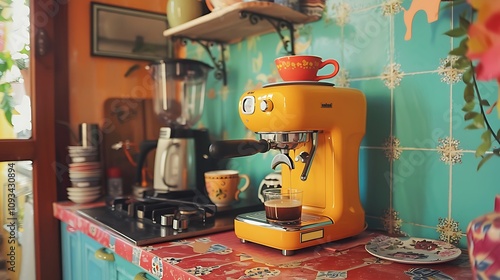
(228, 26)
(235, 23)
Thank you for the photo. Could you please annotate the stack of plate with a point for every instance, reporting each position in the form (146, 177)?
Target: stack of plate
(84, 195)
(83, 154)
(85, 174)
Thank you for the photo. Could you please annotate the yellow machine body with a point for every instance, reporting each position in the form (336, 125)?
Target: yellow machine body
(331, 189)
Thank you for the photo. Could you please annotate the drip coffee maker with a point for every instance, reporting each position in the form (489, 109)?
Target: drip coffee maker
(181, 156)
(317, 128)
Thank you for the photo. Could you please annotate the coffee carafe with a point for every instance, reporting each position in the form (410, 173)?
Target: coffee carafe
(182, 155)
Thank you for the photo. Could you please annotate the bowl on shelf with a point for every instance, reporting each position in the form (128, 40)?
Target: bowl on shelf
(83, 191)
(77, 198)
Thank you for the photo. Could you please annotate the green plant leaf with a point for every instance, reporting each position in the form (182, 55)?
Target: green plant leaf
(482, 149)
(486, 136)
(472, 126)
(479, 121)
(6, 106)
(467, 77)
(469, 95)
(484, 160)
(464, 41)
(460, 51)
(485, 102)
(6, 88)
(456, 32)
(464, 22)
(462, 63)
(470, 115)
(498, 133)
(469, 106)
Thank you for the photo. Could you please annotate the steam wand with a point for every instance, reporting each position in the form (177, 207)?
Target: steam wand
(308, 157)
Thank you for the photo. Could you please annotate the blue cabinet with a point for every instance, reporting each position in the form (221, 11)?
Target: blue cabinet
(97, 262)
(71, 253)
(85, 259)
(126, 270)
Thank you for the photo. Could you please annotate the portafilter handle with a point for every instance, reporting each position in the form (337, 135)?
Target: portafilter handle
(238, 148)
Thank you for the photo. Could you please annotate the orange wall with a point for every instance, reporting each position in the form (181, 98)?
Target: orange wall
(94, 79)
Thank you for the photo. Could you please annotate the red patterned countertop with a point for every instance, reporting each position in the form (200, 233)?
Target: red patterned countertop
(223, 256)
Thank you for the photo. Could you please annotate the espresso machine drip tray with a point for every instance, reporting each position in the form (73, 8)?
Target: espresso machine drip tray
(307, 221)
(155, 219)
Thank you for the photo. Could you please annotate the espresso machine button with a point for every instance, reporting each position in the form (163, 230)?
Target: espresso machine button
(248, 105)
(266, 106)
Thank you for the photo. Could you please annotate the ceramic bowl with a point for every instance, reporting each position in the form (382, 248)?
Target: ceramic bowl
(83, 198)
(80, 189)
(84, 191)
(86, 183)
(76, 195)
(78, 159)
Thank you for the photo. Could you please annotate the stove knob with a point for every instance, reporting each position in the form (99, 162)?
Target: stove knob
(167, 220)
(180, 223)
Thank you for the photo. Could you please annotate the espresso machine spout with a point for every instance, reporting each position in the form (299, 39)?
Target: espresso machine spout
(282, 158)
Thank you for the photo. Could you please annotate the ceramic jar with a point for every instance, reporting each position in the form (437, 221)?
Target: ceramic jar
(313, 8)
(483, 238)
(292, 4)
(182, 11)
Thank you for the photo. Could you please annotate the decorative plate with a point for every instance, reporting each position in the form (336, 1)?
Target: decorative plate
(412, 250)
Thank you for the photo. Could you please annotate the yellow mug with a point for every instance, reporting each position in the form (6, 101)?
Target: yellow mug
(222, 186)
(182, 11)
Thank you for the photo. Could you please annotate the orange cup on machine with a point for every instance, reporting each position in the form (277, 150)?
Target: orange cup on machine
(304, 67)
(223, 186)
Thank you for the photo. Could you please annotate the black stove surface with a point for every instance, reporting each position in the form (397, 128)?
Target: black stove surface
(144, 231)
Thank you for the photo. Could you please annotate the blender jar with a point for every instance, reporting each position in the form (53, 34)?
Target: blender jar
(179, 90)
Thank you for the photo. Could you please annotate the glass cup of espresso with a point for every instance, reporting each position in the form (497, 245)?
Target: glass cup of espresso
(283, 206)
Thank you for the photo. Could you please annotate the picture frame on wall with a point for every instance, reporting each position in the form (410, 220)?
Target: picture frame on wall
(127, 33)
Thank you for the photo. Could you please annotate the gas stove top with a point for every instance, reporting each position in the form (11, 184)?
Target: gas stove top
(160, 219)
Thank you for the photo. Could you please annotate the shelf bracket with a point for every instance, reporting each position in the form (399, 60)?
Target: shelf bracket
(219, 64)
(279, 25)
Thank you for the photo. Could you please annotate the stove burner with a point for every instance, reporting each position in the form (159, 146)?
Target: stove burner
(187, 210)
(160, 219)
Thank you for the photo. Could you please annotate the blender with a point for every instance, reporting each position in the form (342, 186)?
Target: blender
(181, 156)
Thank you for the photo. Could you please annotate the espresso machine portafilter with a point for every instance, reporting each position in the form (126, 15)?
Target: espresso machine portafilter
(317, 129)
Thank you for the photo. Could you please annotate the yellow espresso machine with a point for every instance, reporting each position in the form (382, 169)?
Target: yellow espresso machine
(317, 129)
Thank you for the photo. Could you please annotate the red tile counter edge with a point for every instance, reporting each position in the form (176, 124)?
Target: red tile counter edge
(223, 256)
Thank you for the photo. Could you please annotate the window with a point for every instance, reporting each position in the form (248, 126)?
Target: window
(34, 149)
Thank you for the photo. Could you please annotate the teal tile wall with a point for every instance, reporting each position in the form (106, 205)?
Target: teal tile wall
(417, 165)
